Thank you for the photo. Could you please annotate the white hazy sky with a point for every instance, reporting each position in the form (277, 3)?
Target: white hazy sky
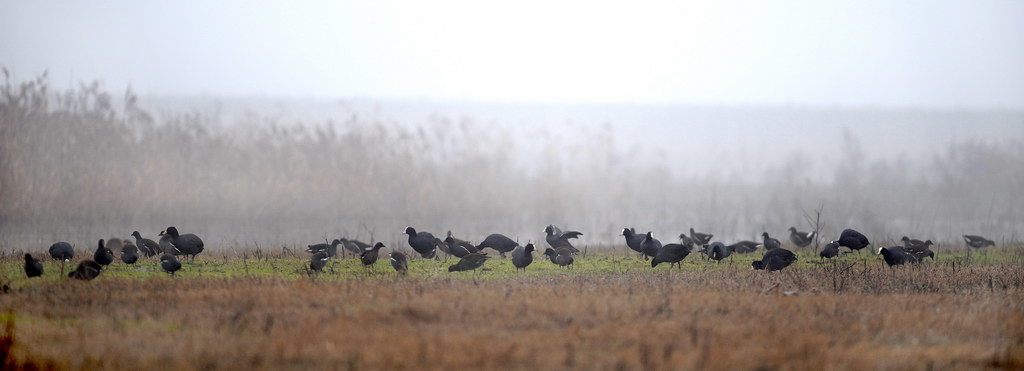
(944, 54)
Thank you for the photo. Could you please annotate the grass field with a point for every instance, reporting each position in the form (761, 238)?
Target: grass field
(249, 309)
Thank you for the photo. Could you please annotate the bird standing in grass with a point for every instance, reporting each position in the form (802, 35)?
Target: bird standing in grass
(469, 262)
(400, 262)
(187, 244)
(103, 255)
(717, 251)
(523, 256)
(744, 247)
(423, 243)
(457, 248)
(895, 255)
(87, 271)
(499, 243)
(561, 257)
(369, 256)
(169, 263)
(318, 261)
(556, 238)
(800, 239)
(355, 247)
(769, 242)
(129, 253)
(700, 238)
(633, 240)
(853, 240)
(673, 253)
(61, 251)
(830, 251)
(33, 267)
(775, 260)
(650, 246)
(331, 249)
(977, 242)
(147, 246)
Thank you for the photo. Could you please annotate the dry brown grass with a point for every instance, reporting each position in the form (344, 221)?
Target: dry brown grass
(913, 318)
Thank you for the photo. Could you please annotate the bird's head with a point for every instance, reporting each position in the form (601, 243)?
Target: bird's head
(410, 231)
(905, 239)
(172, 231)
(626, 232)
(764, 234)
(549, 251)
(757, 265)
(28, 257)
(529, 247)
(378, 245)
(792, 229)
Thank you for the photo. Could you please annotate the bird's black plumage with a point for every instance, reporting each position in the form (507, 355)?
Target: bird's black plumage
(400, 262)
(469, 262)
(458, 249)
(672, 253)
(129, 253)
(147, 246)
(169, 263)
(355, 247)
(650, 245)
(186, 244)
(895, 255)
(744, 247)
(369, 256)
(61, 251)
(853, 240)
(700, 238)
(87, 270)
(800, 239)
(633, 240)
(499, 243)
(103, 255)
(522, 256)
(717, 251)
(423, 243)
(830, 251)
(769, 242)
(318, 261)
(557, 238)
(977, 242)
(331, 249)
(561, 257)
(774, 260)
(33, 267)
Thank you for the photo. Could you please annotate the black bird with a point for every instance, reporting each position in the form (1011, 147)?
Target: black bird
(423, 243)
(718, 251)
(556, 238)
(920, 251)
(977, 242)
(355, 247)
(700, 238)
(369, 256)
(147, 246)
(830, 251)
(770, 243)
(187, 244)
(523, 256)
(33, 267)
(87, 270)
(318, 261)
(129, 253)
(650, 245)
(400, 262)
(331, 250)
(499, 243)
(457, 249)
(166, 247)
(774, 260)
(62, 251)
(561, 257)
(744, 247)
(895, 255)
(800, 239)
(169, 263)
(469, 262)
(103, 255)
(672, 253)
(466, 245)
(852, 240)
(633, 240)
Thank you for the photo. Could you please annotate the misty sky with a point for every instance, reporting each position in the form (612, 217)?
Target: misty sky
(938, 54)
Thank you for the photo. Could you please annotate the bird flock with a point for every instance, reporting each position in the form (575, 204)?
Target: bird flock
(560, 250)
